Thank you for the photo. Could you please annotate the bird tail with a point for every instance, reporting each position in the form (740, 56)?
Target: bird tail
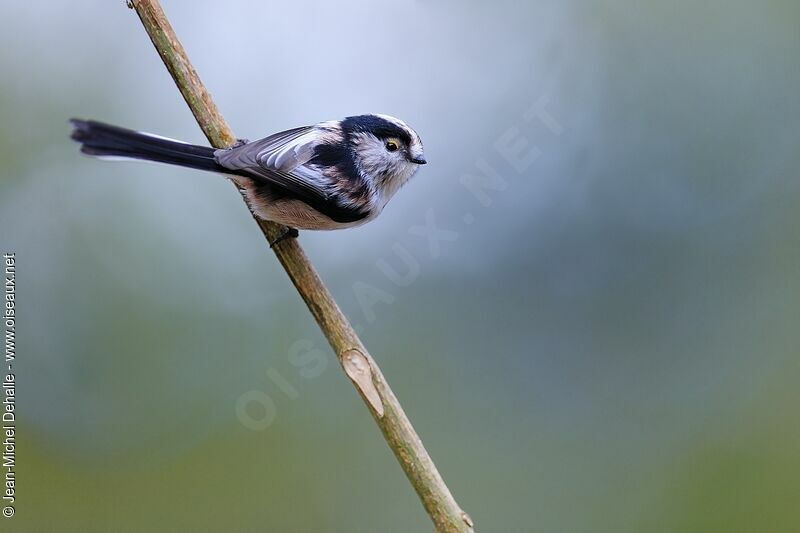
(104, 140)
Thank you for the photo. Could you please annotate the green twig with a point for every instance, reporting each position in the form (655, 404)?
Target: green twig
(357, 363)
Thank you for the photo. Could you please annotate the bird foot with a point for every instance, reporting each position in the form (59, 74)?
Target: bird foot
(287, 233)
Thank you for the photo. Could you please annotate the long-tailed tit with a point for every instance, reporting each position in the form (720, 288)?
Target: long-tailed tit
(332, 175)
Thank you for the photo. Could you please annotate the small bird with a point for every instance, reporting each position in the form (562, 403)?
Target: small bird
(333, 175)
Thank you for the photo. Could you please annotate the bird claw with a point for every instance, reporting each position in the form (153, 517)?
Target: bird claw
(287, 233)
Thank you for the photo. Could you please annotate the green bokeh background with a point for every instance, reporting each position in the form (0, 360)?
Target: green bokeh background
(611, 346)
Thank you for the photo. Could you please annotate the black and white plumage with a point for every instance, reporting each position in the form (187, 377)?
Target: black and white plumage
(332, 175)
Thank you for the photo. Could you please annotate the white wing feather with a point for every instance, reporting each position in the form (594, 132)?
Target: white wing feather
(288, 157)
(291, 147)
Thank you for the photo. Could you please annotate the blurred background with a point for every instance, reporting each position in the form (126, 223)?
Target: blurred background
(601, 335)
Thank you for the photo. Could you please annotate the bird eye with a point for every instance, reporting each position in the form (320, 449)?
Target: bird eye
(392, 146)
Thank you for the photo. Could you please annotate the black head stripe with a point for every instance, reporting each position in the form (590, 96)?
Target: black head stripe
(379, 127)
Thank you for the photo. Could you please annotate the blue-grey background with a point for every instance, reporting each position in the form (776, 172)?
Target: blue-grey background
(610, 346)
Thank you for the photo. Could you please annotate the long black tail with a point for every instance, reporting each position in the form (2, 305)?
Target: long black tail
(101, 139)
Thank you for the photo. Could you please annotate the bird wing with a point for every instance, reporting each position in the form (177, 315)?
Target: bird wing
(282, 151)
(280, 160)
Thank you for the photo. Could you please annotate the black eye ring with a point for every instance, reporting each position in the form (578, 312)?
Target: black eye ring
(391, 146)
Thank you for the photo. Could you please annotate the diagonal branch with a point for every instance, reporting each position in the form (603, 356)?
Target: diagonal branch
(357, 363)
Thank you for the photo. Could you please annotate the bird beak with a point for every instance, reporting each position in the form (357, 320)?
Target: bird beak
(419, 160)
